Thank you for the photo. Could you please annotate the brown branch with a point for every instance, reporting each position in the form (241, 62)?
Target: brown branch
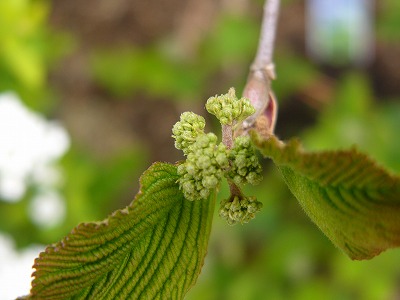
(258, 88)
(263, 59)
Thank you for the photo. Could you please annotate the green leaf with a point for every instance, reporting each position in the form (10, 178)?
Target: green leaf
(152, 249)
(355, 202)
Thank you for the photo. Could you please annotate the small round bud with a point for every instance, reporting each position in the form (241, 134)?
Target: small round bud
(181, 169)
(210, 182)
(188, 186)
(222, 159)
(203, 162)
(190, 168)
(253, 178)
(204, 193)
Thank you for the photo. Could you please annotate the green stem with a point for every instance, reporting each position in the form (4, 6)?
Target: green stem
(227, 136)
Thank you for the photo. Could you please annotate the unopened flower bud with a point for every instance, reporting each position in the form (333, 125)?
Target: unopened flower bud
(229, 109)
(239, 209)
(203, 168)
(245, 167)
(186, 131)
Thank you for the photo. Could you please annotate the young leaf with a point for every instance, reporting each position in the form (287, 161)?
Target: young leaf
(152, 249)
(355, 202)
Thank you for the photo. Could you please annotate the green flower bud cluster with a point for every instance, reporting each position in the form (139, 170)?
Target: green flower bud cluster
(208, 161)
(239, 209)
(186, 131)
(204, 167)
(228, 108)
(245, 167)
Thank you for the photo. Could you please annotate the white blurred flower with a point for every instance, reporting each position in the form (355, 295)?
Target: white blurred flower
(29, 146)
(16, 268)
(47, 208)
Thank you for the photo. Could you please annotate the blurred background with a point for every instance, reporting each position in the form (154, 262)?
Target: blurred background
(89, 91)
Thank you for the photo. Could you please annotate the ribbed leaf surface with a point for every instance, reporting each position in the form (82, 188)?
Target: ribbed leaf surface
(355, 202)
(153, 249)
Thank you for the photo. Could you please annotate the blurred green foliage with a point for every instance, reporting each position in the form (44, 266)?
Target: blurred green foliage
(124, 71)
(280, 254)
(28, 47)
(157, 71)
(293, 73)
(387, 27)
(353, 118)
(22, 36)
